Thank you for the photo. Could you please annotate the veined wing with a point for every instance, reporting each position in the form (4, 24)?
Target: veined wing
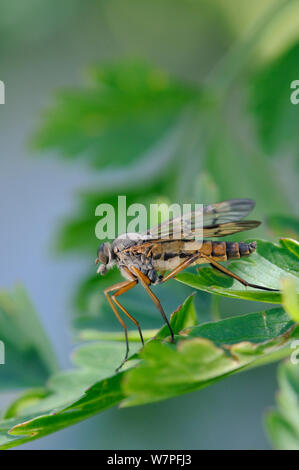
(212, 220)
(222, 230)
(227, 211)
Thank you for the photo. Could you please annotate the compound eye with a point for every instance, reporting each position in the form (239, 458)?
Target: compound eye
(103, 254)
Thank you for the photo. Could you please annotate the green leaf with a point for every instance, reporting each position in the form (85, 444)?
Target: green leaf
(202, 355)
(115, 121)
(290, 298)
(183, 317)
(283, 424)
(267, 267)
(29, 359)
(17, 431)
(253, 327)
(209, 352)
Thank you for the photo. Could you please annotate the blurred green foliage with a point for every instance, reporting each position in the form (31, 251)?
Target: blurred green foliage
(276, 117)
(283, 424)
(127, 110)
(29, 358)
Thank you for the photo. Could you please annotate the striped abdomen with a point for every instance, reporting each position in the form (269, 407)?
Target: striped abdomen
(223, 251)
(169, 255)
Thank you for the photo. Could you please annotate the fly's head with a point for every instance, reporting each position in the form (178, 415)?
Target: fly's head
(104, 258)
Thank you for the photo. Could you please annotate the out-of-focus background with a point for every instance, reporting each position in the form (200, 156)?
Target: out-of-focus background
(170, 101)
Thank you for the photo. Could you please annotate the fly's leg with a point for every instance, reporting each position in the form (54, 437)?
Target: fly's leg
(123, 287)
(216, 266)
(144, 280)
(229, 273)
(185, 264)
(120, 292)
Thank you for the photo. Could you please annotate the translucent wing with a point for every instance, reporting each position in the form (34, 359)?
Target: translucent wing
(222, 230)
(212, 220)
(227, 211)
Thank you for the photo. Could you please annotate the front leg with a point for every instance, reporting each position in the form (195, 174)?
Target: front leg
(145, 281)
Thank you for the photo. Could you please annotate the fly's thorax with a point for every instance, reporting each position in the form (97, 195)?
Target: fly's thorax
(126, 241)
(140, 261)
